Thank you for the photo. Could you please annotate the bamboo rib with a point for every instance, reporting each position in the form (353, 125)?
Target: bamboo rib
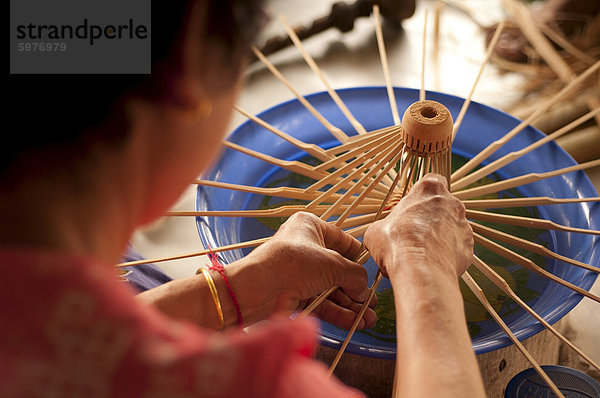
(385, 67)
(363, 195)
(315, 68)
(502, 284)
(368, 176)
(242, 245)
(281, 192)
(363, 256)
(525, 222)
(357, 140)
(530, 265)
(423, 56)
(467, 102)
(359, 220)
(527, 245)
(335, 131)
(311, 149)
(316, 302)
(510, 157)
(357, 166)
(481, 297)
(494, 146)
(290, 165)
(283, 211)
(359, 150)
(521, 180)
(359, 155)
(360, 315)
(523, 202)
(348, 180)
(356, 231)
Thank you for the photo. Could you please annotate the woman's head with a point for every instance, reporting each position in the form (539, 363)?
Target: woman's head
(198, 52)
(143, 136)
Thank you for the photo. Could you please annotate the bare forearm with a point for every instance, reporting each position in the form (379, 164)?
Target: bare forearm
(190, 298)
(435, 357)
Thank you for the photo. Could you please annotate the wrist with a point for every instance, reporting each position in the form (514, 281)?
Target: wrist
(247, 280)
(417, 262)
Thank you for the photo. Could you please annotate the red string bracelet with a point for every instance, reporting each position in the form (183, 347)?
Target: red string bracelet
(216, 266)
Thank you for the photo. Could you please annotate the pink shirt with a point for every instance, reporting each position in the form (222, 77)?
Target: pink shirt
(69, 328)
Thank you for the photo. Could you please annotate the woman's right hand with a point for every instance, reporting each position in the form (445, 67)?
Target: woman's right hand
(427, 224)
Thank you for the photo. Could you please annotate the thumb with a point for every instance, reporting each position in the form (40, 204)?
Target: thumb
(352, 278)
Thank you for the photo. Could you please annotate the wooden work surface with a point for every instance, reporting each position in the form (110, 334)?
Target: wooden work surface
(350, 60)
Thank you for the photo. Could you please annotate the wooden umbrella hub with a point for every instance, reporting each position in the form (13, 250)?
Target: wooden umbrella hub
(427, 127)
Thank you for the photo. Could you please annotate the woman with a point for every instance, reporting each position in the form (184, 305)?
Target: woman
(115, 153)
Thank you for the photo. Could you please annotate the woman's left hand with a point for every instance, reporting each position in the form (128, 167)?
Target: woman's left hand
(306, 257)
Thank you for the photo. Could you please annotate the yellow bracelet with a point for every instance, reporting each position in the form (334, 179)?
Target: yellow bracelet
(215, 296)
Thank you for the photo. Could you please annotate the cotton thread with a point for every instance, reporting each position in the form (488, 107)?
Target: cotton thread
(216, 266)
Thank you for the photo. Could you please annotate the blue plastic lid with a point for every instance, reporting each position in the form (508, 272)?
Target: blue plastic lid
(571, 382)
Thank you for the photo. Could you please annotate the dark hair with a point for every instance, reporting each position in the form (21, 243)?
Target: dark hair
(55, 110)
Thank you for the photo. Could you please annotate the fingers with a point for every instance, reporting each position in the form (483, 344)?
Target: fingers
(351, 277)
(336, 239)
(331, 237)
(344, 317)
(340, 298)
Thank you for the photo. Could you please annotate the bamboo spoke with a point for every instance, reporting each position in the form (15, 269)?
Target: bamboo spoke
(242, 245)
(356, 232)
(523, 202)
(359, 155)
(483, 300)
(502, 284)
(527, 245)
(357, 140)
(281, 192)
(521, 180)
(335, 131)
(346, 181)
(360, 220)
(494, 146)
(359, 317)
(291, 165)
(365, 148)
(364, 194)
(363, 254)
(525, 222)
(315, 68)
(311, 149)
(317, 302)
(385, 67)
(283, 211)
(508, 158)
(357, 167)
(530, 265)
(488, 54)
(423, 56)
(368, 176)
